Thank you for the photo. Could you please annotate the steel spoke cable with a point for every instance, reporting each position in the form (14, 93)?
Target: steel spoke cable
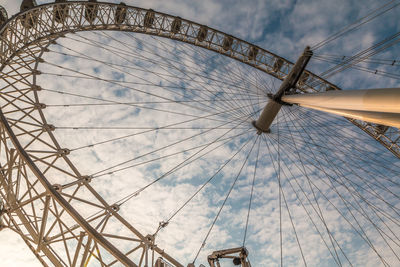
(202, 187)
(340, 175)
(359, 230)
(147, 131)
(147, 102)
(376, 195)
(117, 82)
(367, 18)
(177, 142)
(225, 140)
(185, 73)
(239, 76)
(175, 168)
(222, 70)
(320, 118)
(137, 90)
(332, 178)
(293, 177)
(138, 103)
(347, 201)
(127, 45)
(150, 85)
(173, 144)
(390, 217)
(208, 117)
(242, 94)
(131, 105)
(221, 74)
(337, 58)
(364, 213)
(312, 190)
(282, 196)
(245, 92)
(127, 198)
(251, 192)
(365, 181)
(130, 135)
(365, 69)
(353, 148)
(359, 167)
(136, 128)
(278, 174)
(86, 57)
(365, 54)
(353, 133)
(139, 78)
(359, 57)
(225, 199)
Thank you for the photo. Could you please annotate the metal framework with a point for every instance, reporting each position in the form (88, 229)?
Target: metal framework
(57, 232)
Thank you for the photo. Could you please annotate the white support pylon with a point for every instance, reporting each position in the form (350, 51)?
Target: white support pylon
(381, 106)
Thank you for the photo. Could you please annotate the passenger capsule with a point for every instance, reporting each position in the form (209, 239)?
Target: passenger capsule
(91, 11)
(3, 15)
(28, 20)
(149, 18)
(381, 129)
(60, 12)
(253, 51)
(227, 43)
(277, 65)
(202, 34)
(120, 13)
(176, 25)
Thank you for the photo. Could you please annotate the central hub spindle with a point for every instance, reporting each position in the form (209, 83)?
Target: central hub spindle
(274, 104)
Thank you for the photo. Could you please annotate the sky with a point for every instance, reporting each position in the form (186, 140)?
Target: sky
(284, 28)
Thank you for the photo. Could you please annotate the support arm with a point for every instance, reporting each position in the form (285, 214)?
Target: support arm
(381, 106)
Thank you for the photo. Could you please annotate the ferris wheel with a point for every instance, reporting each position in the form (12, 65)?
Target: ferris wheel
(131, 137)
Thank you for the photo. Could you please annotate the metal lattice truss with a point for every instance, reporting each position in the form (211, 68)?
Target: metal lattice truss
(69, 223)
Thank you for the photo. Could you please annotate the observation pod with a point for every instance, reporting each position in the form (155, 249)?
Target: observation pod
(120, 13)
(61, 11)
(28, 20)
(277, 65)
(91, 11)
(3, 15)
(176, 25)
(228, 41)
(253, 51)
(202, 34)
(149, 18)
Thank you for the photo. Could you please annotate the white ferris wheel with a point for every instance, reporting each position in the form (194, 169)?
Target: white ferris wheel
(131, 137)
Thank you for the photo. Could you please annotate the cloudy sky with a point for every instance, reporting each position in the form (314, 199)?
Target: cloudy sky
(315, 195)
